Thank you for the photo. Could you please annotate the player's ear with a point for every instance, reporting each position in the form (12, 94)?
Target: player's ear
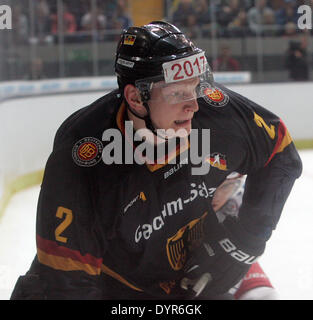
(132, 96)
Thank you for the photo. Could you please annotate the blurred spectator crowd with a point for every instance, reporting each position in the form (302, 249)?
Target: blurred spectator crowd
(237, 18)
(79, 21)
(198, 18)
(42, 23)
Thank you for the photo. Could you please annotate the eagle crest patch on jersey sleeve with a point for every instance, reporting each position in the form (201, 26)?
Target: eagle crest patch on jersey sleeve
(214, 96)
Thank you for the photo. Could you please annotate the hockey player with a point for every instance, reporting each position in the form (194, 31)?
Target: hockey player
(124, 230)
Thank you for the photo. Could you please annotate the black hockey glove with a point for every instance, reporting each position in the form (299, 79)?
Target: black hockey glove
(222, 260)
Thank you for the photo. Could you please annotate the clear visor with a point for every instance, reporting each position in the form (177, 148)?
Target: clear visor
(183, 84)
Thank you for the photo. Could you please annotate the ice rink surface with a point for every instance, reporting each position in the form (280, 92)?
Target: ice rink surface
(288, 259)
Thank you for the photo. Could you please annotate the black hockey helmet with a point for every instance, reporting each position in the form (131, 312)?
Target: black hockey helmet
(159, 55)
(142, 51)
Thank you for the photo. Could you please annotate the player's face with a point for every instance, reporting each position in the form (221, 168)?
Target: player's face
(173, 106)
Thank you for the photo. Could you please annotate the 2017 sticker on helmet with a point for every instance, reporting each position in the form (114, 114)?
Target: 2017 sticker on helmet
(185, 68)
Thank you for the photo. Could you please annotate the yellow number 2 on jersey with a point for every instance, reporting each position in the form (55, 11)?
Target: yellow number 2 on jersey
(64, 224)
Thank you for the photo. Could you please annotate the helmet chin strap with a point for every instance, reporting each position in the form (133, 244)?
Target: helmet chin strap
(147, 120)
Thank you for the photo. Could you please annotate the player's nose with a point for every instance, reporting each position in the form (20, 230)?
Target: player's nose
(191, 106)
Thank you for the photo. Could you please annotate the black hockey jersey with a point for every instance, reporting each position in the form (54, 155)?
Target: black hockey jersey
(125, 231)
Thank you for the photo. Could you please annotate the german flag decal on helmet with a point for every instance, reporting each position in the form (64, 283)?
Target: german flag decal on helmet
(129, 39)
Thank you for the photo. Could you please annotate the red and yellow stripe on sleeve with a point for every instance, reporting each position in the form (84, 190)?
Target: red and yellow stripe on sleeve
(61, 258)
(283, 140)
